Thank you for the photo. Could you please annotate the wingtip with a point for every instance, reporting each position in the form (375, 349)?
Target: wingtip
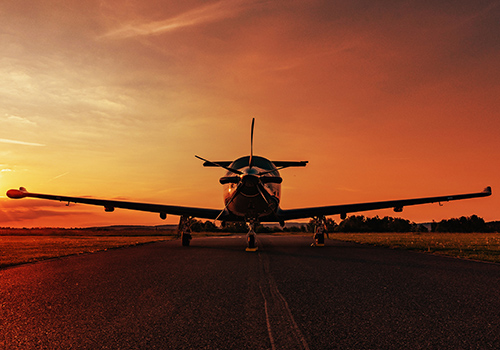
(16, 194)
(487, 190)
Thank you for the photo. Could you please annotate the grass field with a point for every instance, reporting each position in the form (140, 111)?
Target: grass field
(16, 250)
(476, 246)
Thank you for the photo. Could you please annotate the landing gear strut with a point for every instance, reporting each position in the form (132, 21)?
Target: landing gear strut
(319, 231)
(184, 230)
(251, 242)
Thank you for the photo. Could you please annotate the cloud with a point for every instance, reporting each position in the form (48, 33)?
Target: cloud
(20, 120)
(201, 15)
(24, 215)
(32, 209)
(15, 142)
(59, 176)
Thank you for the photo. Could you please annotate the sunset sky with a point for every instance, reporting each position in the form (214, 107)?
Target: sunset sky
(112, 99)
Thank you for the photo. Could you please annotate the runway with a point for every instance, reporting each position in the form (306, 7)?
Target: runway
(287, 295)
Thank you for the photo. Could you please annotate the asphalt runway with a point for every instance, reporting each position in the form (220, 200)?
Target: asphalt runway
(287, 295)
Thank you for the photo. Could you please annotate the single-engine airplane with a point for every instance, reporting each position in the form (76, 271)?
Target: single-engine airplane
(252, 190)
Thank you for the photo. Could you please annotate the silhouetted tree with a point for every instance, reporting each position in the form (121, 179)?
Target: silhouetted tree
(209, 226)
(355, 223)
(331, 225)
(493, 226)
(433, 226)
(358, 223)
(462, 225)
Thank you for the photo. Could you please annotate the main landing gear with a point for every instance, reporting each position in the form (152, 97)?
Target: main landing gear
(319, 232)
(251, 241)
(184, 230)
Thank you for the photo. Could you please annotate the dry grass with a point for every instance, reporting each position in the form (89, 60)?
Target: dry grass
(18, 246)
(477, 246)
(16, 250)
(22, 246)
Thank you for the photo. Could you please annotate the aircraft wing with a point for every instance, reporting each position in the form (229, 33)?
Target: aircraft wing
(397, 205)
(110, 205)
(277, 163)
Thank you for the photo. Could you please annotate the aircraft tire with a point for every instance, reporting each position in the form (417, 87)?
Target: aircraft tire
(186, 239)
(320, 238)
(251, 241)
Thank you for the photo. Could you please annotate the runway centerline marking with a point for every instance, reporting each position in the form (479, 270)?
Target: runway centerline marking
(268, 322)
(277, 309)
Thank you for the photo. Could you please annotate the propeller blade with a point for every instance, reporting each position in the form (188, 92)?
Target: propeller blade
(270, 171)
(229, 180)
(251, 144)
(234, 171)
(261, 192)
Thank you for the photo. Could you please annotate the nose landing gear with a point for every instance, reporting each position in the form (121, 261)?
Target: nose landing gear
(251, 239)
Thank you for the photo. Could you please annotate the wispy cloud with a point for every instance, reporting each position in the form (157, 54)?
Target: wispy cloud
(15, 142)
(201, 15)
(20, 120)
(59, 176)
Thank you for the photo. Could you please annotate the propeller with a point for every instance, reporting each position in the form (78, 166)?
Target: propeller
(251, 145)
(245, 181)
(273, 170)
(234, 171)
(255, 180)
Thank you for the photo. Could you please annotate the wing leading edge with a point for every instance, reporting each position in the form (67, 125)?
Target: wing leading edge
(277, 163)
(397, 205)
(110, 205)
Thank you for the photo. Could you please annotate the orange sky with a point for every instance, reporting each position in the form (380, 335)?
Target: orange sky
(113, 99)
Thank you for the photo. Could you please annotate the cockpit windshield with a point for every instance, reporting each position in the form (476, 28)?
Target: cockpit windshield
(257, 161)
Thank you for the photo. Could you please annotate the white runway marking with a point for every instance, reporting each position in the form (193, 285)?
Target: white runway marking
(277, 309)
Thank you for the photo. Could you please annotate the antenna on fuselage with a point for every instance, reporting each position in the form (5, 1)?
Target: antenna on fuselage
(251, 145)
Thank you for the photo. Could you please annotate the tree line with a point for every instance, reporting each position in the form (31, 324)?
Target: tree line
(362, 224)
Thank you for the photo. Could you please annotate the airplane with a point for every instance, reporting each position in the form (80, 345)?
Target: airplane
(251, 192)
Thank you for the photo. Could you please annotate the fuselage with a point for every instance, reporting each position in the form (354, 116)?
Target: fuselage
(257, 197)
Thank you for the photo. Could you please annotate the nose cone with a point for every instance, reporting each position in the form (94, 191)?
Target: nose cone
(250, 171)
(250, 183)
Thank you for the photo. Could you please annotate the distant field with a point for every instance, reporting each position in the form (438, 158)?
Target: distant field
(16, 250)
(105, 231)
(477, 246)
(19, 246)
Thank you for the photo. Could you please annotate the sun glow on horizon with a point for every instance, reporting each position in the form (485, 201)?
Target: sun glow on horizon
(385, 101)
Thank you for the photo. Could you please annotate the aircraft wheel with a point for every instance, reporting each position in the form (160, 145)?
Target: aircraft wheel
(251, 241)
(320, 239)
(186, 239)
